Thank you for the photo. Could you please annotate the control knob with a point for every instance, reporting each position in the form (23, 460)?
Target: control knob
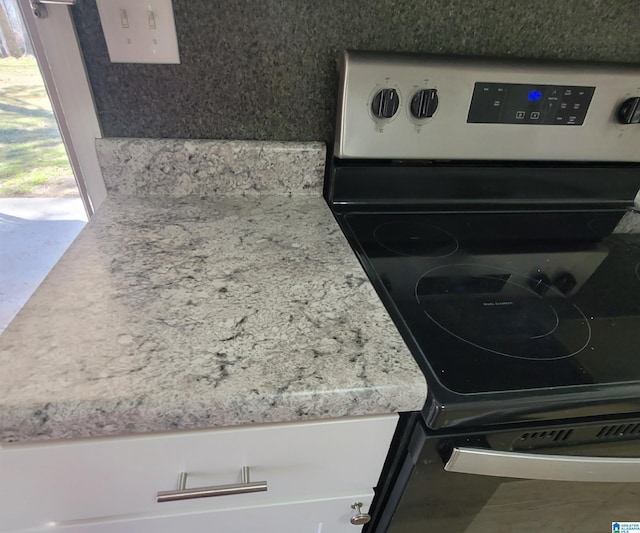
(385, 103)
(629, 111)
(424, 103)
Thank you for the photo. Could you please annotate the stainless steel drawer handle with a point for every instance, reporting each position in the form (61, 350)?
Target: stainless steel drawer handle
(183, 493)
(544, 467)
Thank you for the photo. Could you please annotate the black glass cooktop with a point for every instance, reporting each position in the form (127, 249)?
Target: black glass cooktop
(497, 302)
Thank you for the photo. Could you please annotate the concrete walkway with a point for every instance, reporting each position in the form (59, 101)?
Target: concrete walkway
(34, 233)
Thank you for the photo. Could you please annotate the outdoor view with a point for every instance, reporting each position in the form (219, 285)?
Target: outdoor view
(33, 161)
(41, 212)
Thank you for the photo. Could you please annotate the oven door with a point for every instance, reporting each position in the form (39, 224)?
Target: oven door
(582, 478)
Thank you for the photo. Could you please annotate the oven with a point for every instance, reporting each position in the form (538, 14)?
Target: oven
(482, 199)
(558, 477)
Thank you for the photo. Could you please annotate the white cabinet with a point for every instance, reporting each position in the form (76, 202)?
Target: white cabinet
(321, 516)
(314, 472)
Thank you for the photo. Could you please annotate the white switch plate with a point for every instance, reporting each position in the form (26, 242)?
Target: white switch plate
(139, 31)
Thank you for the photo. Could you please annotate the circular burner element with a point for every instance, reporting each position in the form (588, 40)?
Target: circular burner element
(497, 311)
(416, 239)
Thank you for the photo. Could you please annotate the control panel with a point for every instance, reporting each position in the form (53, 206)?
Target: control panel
(519, 103)
(408, 106)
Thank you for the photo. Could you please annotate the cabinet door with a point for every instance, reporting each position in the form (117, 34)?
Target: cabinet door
(319, 516)
(85, 480)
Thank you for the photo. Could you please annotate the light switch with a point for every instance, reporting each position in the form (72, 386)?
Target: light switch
(139, 31)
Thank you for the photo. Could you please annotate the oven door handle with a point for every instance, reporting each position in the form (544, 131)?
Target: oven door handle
(543, 467)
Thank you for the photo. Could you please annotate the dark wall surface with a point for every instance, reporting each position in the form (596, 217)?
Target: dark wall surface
(265, 69)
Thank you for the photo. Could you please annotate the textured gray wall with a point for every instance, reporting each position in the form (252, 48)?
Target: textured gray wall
(265, 69)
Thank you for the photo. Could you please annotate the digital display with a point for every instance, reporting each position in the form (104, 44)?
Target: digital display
(519, 103)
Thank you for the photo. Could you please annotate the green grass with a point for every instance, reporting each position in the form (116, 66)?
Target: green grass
(31, 151)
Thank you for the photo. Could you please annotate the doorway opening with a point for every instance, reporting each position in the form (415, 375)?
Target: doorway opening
(41, 210)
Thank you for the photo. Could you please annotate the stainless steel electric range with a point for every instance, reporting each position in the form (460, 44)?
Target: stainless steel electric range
(481, 197)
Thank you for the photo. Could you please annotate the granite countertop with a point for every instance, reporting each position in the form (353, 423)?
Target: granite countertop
(206, 297)
(630, 223)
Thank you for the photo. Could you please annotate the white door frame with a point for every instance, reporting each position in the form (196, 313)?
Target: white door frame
(56, 46)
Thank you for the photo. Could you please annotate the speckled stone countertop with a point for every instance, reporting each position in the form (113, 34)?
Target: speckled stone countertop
(630, 223)
(174, 311)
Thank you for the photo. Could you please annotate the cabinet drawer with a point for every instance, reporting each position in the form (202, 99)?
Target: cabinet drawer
(319, 516)
(54, 482)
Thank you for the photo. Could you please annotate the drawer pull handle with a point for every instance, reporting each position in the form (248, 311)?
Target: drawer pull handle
(183, 493)
(360, 518)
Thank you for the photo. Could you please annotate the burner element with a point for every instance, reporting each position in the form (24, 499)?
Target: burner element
(499, 312)
(416, 239)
